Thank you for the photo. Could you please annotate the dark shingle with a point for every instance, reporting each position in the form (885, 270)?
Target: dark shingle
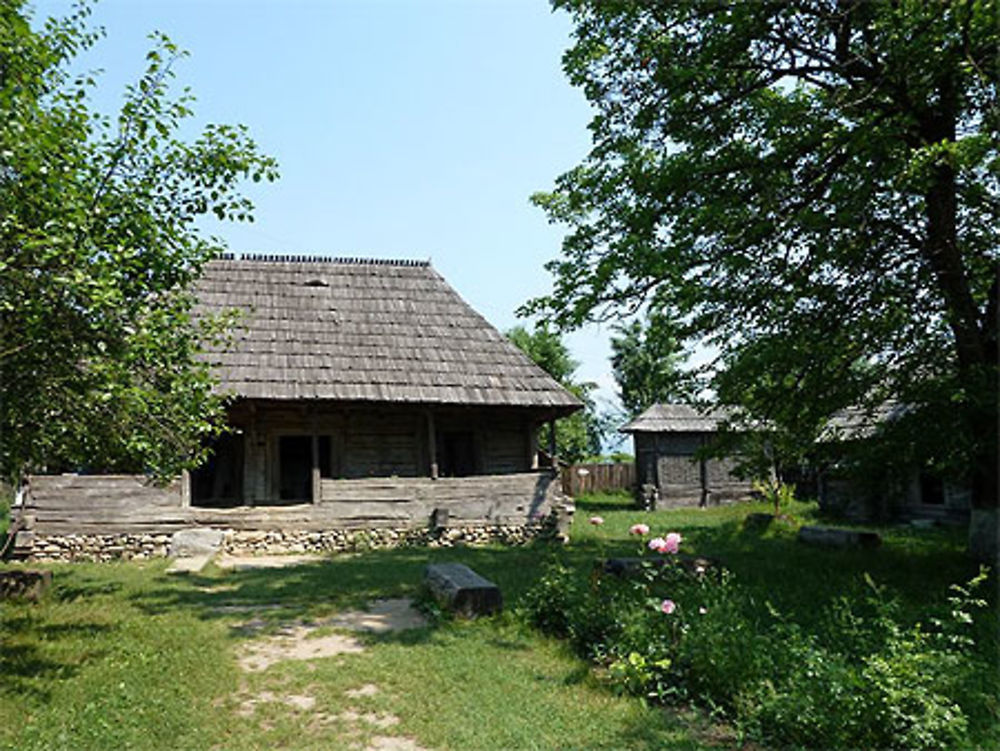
(353, 329)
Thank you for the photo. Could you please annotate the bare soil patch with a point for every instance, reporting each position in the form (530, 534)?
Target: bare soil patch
(300, 641)
(295, 643)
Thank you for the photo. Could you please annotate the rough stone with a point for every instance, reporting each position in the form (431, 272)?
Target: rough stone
(461, 589)
(839, 538)
(244, 542)
(26, 584)
(191, 542)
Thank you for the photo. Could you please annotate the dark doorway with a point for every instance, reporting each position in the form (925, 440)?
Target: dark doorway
(931, 490)
(218, 482)
(456, 453)
(295, 468)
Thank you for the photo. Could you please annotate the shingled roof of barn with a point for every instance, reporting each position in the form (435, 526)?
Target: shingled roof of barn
(364, 330)
(676, 418)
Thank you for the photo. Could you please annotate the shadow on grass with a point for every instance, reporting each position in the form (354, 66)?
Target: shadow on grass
(345, 581)
(83, 588)
(24, 664)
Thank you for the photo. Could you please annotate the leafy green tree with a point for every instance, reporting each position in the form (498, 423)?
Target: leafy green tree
(646, 361)
(579, 435)
(99, 349)
(811, 186)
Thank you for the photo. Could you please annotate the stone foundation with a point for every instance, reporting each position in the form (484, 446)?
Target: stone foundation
(66, 548)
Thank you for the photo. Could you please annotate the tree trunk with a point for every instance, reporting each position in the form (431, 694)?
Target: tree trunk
(975, 331)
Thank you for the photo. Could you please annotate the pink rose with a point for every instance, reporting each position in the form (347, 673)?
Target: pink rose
(597, 521)
(658, 544)
(672, 543)
(639, 529)
(668, 606)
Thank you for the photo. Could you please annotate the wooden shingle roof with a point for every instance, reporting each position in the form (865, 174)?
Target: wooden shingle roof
(675, 418)
(364, 330)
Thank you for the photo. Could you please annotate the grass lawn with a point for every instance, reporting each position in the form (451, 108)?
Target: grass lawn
(126, 656)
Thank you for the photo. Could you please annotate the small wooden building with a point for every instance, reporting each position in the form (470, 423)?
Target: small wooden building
(668, 438)
(365, 393)
(903, 490)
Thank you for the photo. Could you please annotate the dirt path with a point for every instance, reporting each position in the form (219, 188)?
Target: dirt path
(329, 637)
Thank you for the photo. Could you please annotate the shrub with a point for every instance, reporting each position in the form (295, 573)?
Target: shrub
(861, 678)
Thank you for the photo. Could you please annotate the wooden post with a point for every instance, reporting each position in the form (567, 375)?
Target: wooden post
(185, 489)
(532, 447)
(254, 467)
(552, 444)
(432, 445)
(317, 490)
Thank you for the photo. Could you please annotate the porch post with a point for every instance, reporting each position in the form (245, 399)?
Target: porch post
(552, 444)
(317, 490)
(432, 445)
(185, 489)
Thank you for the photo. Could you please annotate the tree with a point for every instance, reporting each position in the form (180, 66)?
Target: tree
(579, 435)
(812, 186)
(99, 351)
(646, 361)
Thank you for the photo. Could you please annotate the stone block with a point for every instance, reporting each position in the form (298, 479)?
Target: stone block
(839, 538)
(460, 589)
(24, 584)
(195, 542)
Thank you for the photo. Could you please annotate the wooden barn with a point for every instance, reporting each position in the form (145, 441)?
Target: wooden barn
(669, 471)
(365, 393)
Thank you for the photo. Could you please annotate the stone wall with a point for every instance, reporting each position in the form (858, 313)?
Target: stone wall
(71, 548)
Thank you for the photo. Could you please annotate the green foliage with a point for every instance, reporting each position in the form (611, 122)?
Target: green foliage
(547, 350)
(579, 435)
(859, 677)
(6, 496)
(646, 361)
(99, 352)
(810, 187)
(777, 494)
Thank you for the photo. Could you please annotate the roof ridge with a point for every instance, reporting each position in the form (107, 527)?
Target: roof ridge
(292, 258)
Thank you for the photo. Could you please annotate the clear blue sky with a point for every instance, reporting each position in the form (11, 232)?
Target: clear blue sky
(403, 129)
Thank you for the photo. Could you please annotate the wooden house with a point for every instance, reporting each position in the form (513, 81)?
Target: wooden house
(669, 468)
(901, 490)
(365, 393)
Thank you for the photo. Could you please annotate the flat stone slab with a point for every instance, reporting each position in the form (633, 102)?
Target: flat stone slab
(194, 542)
(24, 584)
(189, 564)
(460, 589)
(832, 537)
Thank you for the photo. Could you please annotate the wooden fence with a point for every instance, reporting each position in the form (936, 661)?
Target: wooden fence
(593, 478)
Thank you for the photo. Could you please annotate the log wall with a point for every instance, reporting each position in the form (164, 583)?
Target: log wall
(100, 504)
(669, 461)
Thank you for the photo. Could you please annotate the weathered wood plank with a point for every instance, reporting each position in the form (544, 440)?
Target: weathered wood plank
(397, 502)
